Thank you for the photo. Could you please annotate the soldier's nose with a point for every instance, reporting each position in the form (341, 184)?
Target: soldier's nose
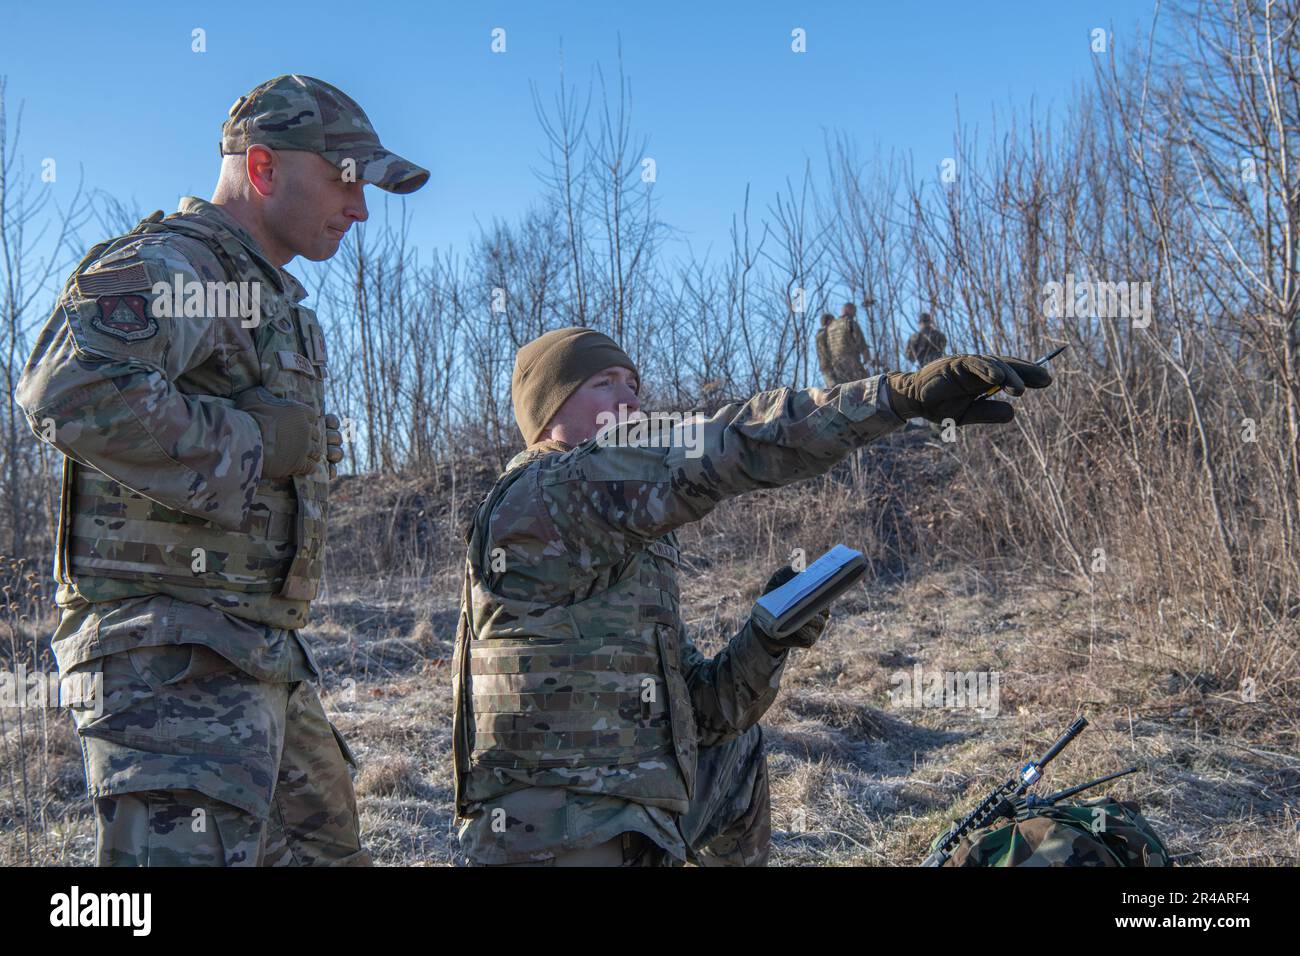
(356, 207)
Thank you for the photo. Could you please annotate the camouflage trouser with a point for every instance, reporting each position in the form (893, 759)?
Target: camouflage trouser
(730, 819)
(729, 822)
(195, 763)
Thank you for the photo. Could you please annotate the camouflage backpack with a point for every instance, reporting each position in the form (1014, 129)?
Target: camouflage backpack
(1099, 832)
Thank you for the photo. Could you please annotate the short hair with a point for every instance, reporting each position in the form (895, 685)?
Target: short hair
(925, 317)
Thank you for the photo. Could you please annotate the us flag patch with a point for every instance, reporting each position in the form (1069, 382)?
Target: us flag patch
(132, 278)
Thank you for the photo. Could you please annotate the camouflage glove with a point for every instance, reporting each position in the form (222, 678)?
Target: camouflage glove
(807, 635)
(291, 433)
(333, 443)
(951, 388)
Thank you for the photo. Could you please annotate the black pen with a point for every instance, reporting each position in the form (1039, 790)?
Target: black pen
(1042, 361)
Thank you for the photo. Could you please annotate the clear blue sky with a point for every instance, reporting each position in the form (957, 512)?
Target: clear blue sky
(115, 88)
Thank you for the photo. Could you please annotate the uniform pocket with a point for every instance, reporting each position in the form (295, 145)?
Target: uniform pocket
(160, 665)
(171, 664)
(522, 825)
(193, 698)
(219, 734)
(348, 755)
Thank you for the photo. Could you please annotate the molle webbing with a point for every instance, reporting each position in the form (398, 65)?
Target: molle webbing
(117, 533)
(565, 706)
(564, 686)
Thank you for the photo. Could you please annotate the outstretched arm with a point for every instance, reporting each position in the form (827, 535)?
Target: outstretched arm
(614, 494)
(604, 500)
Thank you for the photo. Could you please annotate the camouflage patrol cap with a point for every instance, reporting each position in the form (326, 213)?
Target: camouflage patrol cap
(303, 113)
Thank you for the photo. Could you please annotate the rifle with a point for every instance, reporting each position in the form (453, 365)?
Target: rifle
(1008, 798)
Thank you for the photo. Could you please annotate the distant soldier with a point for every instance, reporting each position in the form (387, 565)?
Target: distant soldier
(927, 343)
(841, 341)
(588, 728)
(824, 361)
(183, 380)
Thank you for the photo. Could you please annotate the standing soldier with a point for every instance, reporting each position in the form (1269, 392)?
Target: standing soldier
(183, 381)
(824, 361)
(845, 347)
(927, 343)
(588, 729)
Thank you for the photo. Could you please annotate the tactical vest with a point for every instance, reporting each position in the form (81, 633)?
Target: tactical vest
(844, 348)
(550, 689)
(115, 543)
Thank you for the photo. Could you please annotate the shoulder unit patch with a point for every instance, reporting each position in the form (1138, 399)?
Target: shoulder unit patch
(125, 317)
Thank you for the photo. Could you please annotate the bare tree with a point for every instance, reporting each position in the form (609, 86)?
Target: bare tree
(30, 219)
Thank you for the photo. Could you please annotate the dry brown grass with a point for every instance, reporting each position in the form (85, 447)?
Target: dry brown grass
(856, 780)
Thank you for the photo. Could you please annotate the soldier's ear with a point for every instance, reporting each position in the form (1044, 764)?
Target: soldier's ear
(261, 167)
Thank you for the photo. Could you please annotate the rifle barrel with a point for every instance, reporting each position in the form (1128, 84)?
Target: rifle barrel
(1071, 791)
(1071, 732)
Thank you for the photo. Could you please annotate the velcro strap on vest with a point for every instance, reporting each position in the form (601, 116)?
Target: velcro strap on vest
(303, 579)
(63, 542)
(660, 615)
(489, 660)
(295, 362)
(584, 748)
(666, 549)
(567, 722)
(557, 701)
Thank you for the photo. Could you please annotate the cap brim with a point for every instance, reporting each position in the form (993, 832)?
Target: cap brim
(386, 170)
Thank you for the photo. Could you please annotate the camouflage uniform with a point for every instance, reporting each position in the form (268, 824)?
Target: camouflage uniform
(926, 345)
(183, 575)
(842, 351)
(185, 572)
(582, 709)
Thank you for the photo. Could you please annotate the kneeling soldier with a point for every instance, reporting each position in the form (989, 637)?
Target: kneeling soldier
(589, 730)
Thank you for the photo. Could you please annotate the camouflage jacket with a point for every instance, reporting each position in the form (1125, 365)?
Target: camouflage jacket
(845, 350)
(923, 347)
(824, 361)
(557, 551)
(138, 395)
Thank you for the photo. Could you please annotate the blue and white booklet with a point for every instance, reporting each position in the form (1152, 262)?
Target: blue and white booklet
(784, 610)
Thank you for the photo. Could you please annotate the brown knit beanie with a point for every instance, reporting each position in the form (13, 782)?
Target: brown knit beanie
(551, 367)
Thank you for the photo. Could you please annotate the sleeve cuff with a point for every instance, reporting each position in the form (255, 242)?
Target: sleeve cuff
(884, 402)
